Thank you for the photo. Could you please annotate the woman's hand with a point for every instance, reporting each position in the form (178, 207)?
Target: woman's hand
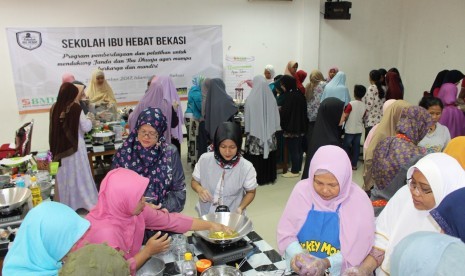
(300, 261)
(157, 244)
(357, 271)
(239, 210)
(156, 207)
(216, 227)
(205, 195)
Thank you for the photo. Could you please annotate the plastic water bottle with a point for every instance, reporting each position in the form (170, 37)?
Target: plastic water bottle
(188, 266)
(20, 182)
(35, 191)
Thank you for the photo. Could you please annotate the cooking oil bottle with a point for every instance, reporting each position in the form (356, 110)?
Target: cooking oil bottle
(35, 190)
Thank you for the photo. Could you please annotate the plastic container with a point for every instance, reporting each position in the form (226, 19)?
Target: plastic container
(20, 182)
(35, 191)
(188, 266)
(203, 264)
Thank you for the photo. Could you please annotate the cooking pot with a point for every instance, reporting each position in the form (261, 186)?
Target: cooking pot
(13, 198)
(221, 270)
(103, 137)
(240, 223)
(153, 267)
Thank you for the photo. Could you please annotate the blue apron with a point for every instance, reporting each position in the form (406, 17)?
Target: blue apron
(320, 233)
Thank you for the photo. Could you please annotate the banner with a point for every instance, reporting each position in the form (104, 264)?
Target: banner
(239, 73)
(129, 56)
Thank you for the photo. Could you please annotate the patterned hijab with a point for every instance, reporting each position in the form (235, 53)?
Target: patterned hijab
(149, 162)
(99, 93)
(450, 214)
(396, 151)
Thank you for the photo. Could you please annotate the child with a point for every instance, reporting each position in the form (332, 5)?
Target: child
(354, 124)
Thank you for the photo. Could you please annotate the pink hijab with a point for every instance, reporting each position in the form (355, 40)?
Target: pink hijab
(357, 224)
(111, 219)
(161, 94)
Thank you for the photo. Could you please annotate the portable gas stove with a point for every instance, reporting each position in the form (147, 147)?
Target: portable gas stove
(222, 253)
(15, 217)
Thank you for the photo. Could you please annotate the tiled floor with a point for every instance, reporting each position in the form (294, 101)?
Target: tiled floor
(268, 205)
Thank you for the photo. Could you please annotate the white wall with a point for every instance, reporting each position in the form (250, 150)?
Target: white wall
(269, 30)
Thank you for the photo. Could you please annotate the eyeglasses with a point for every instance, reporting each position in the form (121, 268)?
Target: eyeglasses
(149, 134)
(417, 188)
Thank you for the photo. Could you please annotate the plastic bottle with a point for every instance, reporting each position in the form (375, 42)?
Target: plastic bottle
(19, 182)
(35, 190)
(188, 266)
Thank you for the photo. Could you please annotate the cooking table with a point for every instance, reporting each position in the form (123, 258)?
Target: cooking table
(94, 150)
(266, 261)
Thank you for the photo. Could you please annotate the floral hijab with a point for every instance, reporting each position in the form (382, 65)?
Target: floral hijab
(396, 151)
(149, 162)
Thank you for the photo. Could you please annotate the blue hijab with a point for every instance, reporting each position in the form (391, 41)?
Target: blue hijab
(450, 214)
(149, 162)
(46, 235)
(428, 253)
(337, 88)
(194, 98)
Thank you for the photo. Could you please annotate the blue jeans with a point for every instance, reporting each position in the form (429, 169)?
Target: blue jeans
(294, 145)
(352, 147)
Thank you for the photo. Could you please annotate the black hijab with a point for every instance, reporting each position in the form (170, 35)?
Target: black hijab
(294, 109)
(453, 76)
(232, 131)
(438, 80)
(327, 130)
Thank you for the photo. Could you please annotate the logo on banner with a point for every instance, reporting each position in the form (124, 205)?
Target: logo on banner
(37, 102)
(29, 40)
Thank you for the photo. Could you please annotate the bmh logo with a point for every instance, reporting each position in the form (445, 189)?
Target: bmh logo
(29, 40)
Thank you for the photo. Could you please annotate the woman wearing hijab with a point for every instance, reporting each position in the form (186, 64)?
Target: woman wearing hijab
(101, 96)
(300, 77)
(428, 253)
(75, 185)
(146, 152)
(452, 117)
(269, 73)
(337, 88)
(374, 100)
(162, 94)
(47, 234)
(396, 152)
(121, 216)
(293, 123)
(319, 218)
(223, 177)
(331, 73)
(67, 77)
(431, 179)
(401, 84)
(313, 91)
(291, 68)
(387, 127)
(373, 129)
(456, 149)
(450, 213)
(438, 81)
(261, 124)
(394, 88)
(219, 106)
(95, 259)
(328, 123)
(438, 135)
(192, 118)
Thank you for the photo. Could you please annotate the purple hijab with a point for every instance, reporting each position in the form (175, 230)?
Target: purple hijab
(148, 162)
(357, 226)
(394, 152)
(161, 94)
(452, 117)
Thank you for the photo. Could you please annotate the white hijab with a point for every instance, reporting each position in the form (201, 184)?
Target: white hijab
(261, 113)
(400, 218)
